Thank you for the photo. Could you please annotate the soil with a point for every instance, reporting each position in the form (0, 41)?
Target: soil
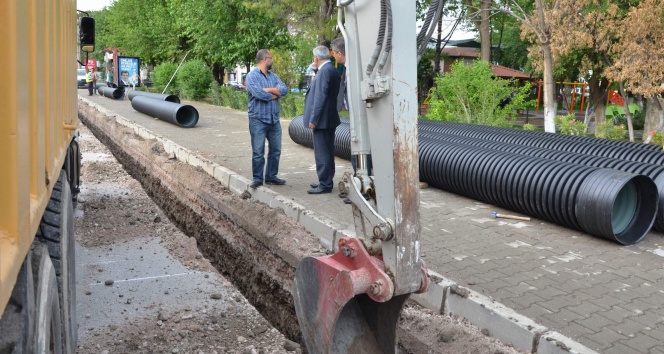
(114, 209)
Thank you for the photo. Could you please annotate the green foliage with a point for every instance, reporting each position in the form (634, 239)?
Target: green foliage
(471, 94)
(657, 139)
(194, 78)
(162, 74)
(606, 130)
(511, 51)
(529, 127)
(228, 97)
(228, 32)
(146, 29)
(568, 125)
(638, 117)
(292, 105)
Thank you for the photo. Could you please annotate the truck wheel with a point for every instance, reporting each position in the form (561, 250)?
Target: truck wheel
(47, 337)
(56, 231)
(17, 322)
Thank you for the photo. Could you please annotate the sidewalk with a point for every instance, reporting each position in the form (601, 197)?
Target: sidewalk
(604, 296)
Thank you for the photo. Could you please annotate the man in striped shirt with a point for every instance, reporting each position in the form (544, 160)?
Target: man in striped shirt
(264, 88)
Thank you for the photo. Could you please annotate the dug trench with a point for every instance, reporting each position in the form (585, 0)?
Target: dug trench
(255, 246)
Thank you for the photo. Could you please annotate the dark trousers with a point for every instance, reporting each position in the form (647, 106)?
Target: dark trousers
(90, 84)
(324, 155)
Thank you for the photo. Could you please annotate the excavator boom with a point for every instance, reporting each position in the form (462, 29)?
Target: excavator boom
(350, 302)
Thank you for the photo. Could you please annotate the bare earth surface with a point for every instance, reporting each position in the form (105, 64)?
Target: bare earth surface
(164, 296)
(144, 286)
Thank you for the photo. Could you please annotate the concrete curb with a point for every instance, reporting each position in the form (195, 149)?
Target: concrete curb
(444, 295)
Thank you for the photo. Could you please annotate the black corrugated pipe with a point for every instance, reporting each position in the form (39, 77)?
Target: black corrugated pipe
(304, 136)
(110, 92)
(581, 145)
(157, 96)
(612, 204)
(655, 172)
(603, 202)
(184, 116)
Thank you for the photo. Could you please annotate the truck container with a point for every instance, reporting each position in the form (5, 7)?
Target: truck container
(39, 175)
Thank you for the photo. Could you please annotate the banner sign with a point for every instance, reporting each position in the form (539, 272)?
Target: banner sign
(127, 71)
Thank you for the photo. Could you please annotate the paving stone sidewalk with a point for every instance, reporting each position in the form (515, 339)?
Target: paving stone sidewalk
(605, 296)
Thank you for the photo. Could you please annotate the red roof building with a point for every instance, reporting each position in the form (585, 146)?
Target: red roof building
(468, 55)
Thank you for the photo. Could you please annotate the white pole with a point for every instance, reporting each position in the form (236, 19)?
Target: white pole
(176, 71)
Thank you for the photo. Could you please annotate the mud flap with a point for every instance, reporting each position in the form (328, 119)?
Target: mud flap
(344, 302)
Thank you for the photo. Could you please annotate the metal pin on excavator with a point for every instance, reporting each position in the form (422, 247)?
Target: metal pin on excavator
(350, 302)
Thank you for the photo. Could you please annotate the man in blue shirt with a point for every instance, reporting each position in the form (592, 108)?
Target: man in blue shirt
(264, 88)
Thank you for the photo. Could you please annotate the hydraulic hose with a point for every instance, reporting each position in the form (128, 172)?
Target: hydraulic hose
(379, 40)
(388, 42)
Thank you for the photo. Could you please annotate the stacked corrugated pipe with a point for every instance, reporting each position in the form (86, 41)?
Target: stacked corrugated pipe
(601, 195)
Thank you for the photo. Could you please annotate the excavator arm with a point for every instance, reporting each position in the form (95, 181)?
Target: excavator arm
(350, 302)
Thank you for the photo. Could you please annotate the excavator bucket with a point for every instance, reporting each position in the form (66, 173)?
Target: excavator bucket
(344, 302)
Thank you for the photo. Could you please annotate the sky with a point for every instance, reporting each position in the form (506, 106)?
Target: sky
(92, 5)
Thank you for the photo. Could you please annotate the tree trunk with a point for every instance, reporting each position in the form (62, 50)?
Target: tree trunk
(628, 115)
(549, 90)
(652, 117)
(485, 30)
(598, 91)
(436, 64)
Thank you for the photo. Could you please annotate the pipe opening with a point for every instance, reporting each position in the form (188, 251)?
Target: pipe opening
(186, 116)
(624, 208)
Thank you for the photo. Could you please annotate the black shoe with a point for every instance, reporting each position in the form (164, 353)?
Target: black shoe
(319, 190)
(347, 201)
(255, 184)
(276, 181)
(342, 195)
(313, 185)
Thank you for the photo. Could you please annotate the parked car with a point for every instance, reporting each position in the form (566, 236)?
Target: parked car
(236, 85)
(80, 77)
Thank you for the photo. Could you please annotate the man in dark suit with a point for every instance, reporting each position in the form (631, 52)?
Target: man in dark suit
(321, 115)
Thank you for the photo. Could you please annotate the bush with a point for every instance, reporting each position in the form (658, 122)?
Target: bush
(528, 127)
(228, 97)
(568, 125)
(471, 94)
(638, 119)
(292, 105)
(194, 78)
(606, 130)
(162, 74)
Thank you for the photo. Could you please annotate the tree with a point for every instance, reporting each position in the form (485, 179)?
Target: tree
(317, 18)
(130, 25)
(471, 94)
(537, 24)
(587, 30)
(479, 12)
(510, 50)
(639, 54)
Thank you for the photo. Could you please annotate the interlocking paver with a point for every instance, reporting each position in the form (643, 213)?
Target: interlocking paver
(619, 348)
(588, 270)
(607, 337)
(586, 308)
(642, 343)
(628, 327)
(596, 322)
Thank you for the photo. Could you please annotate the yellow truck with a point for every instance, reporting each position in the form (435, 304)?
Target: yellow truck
(39, 175)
